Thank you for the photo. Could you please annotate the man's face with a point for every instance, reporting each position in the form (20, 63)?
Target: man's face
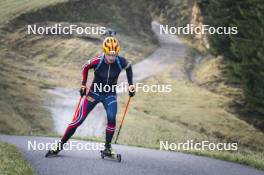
(110, 58)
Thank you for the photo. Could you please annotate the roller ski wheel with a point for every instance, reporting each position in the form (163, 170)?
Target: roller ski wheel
(111, 155)
(119, 158)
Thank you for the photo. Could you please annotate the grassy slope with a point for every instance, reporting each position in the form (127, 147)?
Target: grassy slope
(17, 115)
(212, 74)
(19, 88)
(37, 58)
(31, 63)
(11, 161)
(190, 112)
(10, 9)
(228, 99)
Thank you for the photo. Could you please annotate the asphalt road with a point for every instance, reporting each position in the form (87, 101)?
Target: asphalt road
(136, 161)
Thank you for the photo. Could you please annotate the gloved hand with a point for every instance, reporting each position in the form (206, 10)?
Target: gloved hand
(131, 90)
(83, 91)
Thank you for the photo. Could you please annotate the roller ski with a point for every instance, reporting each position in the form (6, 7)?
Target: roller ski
(53, 152)
(109, 153)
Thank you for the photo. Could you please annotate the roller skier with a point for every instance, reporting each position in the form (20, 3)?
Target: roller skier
(106, 67)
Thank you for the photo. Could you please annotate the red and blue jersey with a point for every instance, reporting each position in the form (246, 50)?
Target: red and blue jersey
(106, 73)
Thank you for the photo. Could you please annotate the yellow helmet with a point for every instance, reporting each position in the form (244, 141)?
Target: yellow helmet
(111, 46)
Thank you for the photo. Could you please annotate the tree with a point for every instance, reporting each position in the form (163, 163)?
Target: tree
(248, 46)
(244, 52)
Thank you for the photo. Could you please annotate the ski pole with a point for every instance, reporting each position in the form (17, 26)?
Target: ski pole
(121, 124)
(80, 99)
(77, 108)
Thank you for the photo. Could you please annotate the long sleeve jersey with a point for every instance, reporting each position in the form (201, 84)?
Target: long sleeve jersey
(107, 73)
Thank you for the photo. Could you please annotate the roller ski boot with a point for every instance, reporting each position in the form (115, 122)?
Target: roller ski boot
(110, 153)
(54, 152)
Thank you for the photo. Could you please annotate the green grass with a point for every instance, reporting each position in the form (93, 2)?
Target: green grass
(189, 112)
(21, 100)
(11, 161)
(252, 159)
(19, 89)
(31, 63)
(9, 9)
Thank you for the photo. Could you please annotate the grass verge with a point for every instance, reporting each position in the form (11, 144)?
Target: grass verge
(12, 161)
(252, 159)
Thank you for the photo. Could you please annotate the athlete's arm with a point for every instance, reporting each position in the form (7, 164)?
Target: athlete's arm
(127, 66)
(129, 72)
(131, 88)
(90, 64)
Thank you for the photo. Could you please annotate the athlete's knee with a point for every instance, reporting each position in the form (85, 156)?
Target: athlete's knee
(110, 128)
(111, 117)
(76, 124)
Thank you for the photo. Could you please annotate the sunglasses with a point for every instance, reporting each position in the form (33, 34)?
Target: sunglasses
(111, 55)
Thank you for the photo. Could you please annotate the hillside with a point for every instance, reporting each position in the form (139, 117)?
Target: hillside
(200, 110)
(31, 63)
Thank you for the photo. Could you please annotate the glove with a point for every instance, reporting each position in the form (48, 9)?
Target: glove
(131, 90)
(83, 91)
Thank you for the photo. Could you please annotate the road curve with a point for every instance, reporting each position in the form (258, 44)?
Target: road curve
(135, 161)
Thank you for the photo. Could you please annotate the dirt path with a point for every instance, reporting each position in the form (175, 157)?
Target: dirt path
(171, 48)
